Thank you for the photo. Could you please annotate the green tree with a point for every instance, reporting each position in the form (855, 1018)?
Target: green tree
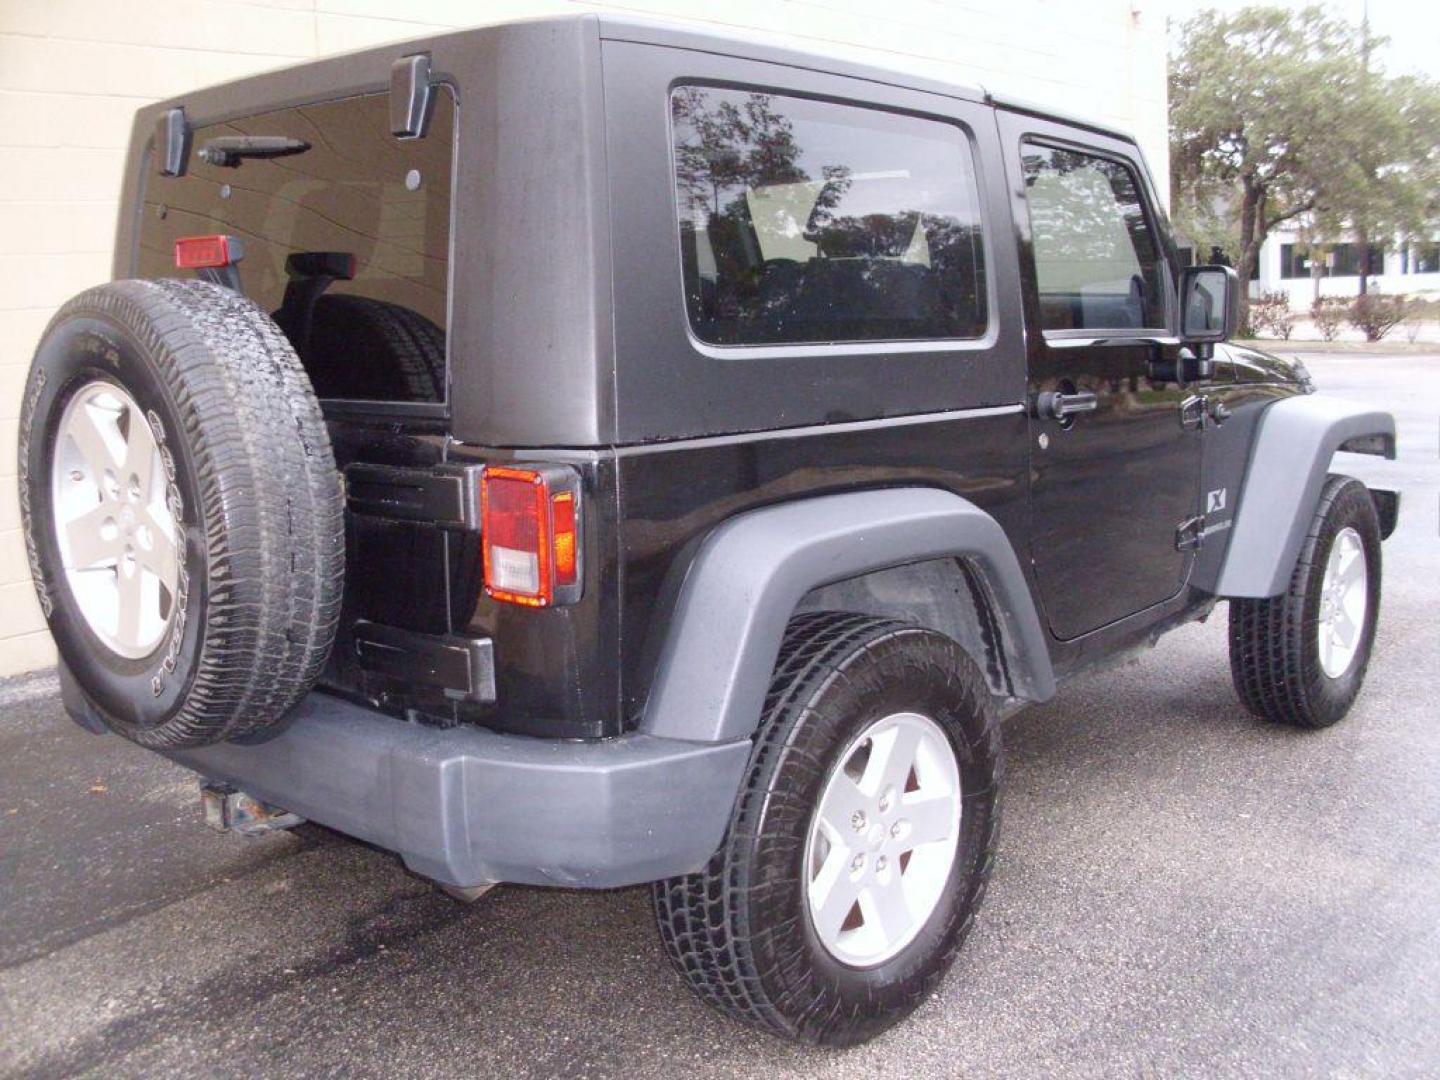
(1277, 115)
(1383, 183)
(1393, 188)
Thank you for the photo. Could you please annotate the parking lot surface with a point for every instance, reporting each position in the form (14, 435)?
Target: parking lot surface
(1180, 890)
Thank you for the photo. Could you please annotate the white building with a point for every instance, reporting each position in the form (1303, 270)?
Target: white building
(72, 73)
(1290, 265)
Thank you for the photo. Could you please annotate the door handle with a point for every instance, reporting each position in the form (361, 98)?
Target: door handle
(1056, 405)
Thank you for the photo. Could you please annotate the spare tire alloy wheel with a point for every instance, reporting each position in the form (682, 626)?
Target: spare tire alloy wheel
(182, 511)
(113, 522)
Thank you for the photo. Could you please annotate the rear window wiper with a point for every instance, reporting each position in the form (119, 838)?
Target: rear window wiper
(228, 151)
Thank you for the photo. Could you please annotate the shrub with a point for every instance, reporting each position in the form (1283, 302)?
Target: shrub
(1376, 314)
(1271, 313)
(1328, 313)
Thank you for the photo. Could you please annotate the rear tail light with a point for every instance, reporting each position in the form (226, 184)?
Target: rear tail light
(530, 532)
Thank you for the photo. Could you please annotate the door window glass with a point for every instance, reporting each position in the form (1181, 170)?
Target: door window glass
(1097, 265)
(804, 221)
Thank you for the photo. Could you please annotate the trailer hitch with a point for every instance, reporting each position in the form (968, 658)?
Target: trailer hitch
(229, 810)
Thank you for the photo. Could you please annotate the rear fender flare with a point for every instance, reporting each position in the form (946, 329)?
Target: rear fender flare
(750, 574)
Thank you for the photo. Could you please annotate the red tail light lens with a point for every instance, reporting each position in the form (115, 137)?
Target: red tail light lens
(513, 524)
(206, 252)
(529, 522)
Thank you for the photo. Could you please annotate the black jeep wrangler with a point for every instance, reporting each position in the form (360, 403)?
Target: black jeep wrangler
(586, 453)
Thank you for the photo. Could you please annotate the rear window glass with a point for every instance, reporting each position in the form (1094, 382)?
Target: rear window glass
(346, 234)
(805, 221)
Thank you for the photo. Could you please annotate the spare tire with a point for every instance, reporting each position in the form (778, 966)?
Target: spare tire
(370, 349)
(183, 515)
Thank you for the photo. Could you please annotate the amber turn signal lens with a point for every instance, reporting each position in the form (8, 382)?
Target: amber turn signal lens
(566, 542)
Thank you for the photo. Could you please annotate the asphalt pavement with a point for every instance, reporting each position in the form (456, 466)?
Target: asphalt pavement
(1180, 890)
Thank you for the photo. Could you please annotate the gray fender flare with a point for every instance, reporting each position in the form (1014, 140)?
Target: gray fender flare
(1288, 464)
(747, 578)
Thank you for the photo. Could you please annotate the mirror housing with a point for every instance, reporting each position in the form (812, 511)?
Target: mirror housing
(1209, 304)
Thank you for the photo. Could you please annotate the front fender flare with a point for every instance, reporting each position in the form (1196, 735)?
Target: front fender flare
(745, 582)
(1288, 464)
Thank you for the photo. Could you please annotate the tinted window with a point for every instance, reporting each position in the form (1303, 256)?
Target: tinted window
(346, 235)
(1344, 260)
(1097, 265)
(1295, 261)
(802, 221)
(1424, 259)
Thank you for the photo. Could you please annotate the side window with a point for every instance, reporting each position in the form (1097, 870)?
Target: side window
(1097, 264)
(804, 221)
(346, 234)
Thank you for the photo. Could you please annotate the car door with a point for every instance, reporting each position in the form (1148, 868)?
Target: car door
(1115, 449)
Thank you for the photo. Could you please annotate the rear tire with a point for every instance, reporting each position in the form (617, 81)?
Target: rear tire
(755, 933)
(172, 454)
(1291, 657)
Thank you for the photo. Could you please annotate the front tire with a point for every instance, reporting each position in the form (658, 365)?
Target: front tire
(1300, 658)
(860, 845)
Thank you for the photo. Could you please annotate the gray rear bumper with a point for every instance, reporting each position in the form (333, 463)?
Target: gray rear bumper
(468, 806)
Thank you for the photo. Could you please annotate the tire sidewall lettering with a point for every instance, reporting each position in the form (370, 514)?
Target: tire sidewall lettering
(175, 501)
(43, 588)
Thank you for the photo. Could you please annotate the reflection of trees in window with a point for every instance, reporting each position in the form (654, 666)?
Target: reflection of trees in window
(1090, 239)
(782, 242)
(727, 149)
(722, 145)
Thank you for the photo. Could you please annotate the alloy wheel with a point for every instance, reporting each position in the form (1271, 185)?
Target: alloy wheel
(115, 531)
(883, 839)
(1344, 597)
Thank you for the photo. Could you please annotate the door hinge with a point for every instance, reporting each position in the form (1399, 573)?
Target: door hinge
(1192, 413)
(1190, 534)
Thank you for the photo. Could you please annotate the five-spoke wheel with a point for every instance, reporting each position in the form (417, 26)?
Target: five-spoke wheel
(113, 523)
(1343, 602)
(883, 838)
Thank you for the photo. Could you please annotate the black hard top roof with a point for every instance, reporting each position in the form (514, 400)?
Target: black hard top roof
(727, 41)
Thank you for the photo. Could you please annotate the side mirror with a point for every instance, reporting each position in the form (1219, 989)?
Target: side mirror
(1209, 304)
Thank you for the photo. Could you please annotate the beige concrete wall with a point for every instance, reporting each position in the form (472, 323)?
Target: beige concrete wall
(73, 71)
